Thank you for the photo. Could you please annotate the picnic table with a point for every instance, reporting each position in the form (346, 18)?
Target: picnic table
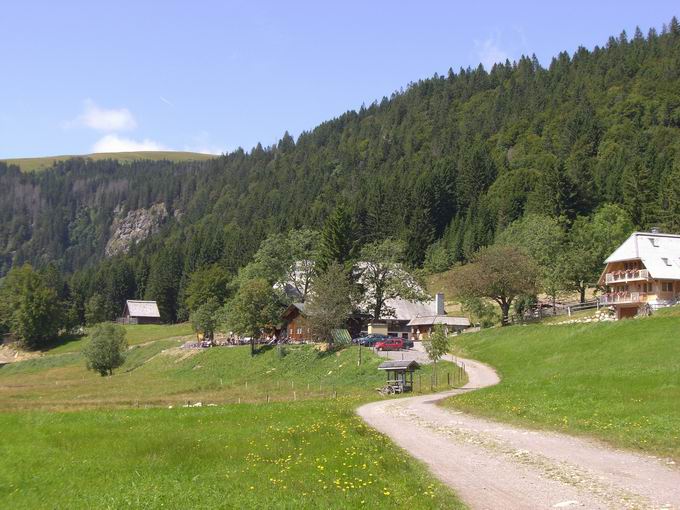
(392, 387)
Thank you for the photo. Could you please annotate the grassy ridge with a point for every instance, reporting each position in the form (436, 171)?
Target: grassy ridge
(134, 333)
(175, 376)
(295, 455)
(43, 163)
(619, 382)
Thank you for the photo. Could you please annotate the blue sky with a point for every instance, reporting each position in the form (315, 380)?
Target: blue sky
(210, 76)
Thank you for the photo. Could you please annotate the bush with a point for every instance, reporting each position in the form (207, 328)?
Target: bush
(106, 349)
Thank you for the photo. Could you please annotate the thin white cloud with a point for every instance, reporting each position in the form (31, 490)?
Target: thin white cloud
(489, 52)
(166, 101)
(102, 119)
(115, 143)
(204, 149)
(203, 143)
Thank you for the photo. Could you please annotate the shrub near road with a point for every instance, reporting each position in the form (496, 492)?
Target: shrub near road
(616, 381)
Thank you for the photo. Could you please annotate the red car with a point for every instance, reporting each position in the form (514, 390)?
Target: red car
(390, 344)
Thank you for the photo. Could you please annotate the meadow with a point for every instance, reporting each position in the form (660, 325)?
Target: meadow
(160, 373)
(44, 163)
(277, 430)
(313, 454)
(134, 333)
(618, 382)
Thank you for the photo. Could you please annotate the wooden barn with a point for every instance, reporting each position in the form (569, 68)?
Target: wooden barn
(140, 312)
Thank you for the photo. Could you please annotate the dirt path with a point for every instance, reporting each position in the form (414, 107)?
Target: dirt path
(496, 466)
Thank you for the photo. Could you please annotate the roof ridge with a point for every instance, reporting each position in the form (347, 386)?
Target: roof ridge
(655, 234)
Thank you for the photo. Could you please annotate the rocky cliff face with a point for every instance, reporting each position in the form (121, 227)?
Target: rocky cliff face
(128, 229)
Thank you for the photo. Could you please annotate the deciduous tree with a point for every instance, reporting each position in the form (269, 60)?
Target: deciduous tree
(204, 318)
(436, 346)
(209, 283)
(330, 302)
(383, 276)
(106, 348)
(254, 308)
(29, 309)
(500, 273)
(544, 240)
(591, 240)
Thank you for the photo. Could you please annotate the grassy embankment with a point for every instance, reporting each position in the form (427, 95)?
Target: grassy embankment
(135, 334)
(304, 449)
(160, 373)
(619, 382)
(43, 163)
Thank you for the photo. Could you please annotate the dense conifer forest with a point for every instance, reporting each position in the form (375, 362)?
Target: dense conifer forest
(445, 165)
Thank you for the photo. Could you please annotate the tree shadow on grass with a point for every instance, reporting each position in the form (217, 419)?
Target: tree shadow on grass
(61, 341)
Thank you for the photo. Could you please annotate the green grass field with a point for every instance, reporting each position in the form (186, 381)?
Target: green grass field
(43, 163)
(150, 377)
(619, 382)
(73, 439)
(310, 454)
(135, 334)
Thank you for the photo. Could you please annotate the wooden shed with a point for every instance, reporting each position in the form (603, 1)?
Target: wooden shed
(141, 312)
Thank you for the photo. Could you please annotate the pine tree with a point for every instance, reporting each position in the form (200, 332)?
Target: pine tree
(638, 196)
(338, 242)
(164, 283)
(558, 195)
(670, 200)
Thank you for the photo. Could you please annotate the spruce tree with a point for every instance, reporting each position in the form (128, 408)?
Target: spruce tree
(338, 243)
(164, 283)
(670, 200)
(638, 196)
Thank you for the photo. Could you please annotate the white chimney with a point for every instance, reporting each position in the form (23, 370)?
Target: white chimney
(439, 304)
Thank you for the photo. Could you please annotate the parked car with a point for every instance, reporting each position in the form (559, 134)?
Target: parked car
(370, 340)
(408, 344)
(390, 344)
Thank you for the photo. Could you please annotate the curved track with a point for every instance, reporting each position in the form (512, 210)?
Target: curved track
(492, 465)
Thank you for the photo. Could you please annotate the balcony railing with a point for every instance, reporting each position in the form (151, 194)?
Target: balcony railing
(628, 275)
(618, 298)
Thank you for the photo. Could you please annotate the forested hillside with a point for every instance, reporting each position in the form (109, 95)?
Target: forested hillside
(445, 165)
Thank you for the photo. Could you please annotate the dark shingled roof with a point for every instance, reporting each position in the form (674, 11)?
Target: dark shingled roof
(398, 364)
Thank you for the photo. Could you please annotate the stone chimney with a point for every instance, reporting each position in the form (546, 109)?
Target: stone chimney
(655, 230)
(439, 304)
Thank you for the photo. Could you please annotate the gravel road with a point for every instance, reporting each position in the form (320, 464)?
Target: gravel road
(496, 466)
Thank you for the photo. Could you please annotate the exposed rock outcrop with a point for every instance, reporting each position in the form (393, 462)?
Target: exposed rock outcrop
(136, 225)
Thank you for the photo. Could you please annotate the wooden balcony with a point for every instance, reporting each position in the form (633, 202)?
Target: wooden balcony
(622, 298)
(624, 276)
